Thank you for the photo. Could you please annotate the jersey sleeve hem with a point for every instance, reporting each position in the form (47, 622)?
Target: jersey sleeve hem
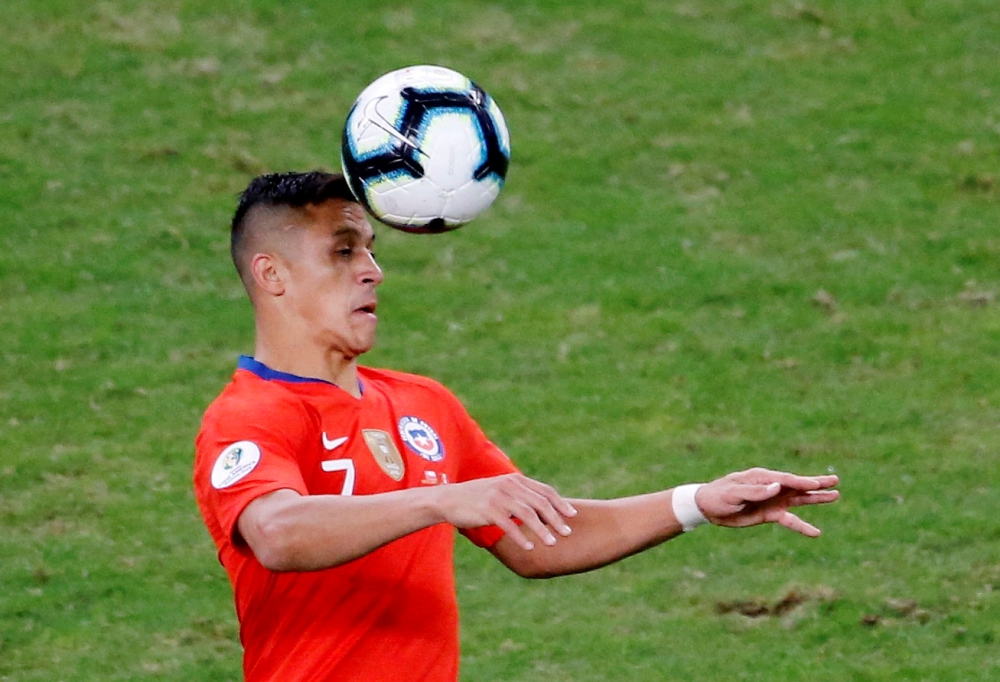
(233, 532)
(484, 536)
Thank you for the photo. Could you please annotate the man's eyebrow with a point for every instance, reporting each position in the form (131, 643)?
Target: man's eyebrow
(352, 231)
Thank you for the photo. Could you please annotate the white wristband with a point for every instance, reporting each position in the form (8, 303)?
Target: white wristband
(685, 508)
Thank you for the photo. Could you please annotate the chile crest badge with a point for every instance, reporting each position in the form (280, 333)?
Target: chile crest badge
(421, 438)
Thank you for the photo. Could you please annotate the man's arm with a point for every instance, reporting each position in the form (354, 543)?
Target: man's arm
(605, 531)
(291, 532)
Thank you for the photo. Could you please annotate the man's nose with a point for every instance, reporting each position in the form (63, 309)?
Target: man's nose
(370, 273)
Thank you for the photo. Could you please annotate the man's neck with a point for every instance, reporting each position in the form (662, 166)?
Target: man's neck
(332, 367)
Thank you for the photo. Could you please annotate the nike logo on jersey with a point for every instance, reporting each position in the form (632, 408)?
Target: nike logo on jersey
(335, 443)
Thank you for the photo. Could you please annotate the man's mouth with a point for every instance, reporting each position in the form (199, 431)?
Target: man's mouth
(367, 308)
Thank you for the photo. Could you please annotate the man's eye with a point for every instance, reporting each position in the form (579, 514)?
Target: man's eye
(346, 252)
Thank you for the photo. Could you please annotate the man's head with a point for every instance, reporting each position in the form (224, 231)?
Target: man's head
(303, 248)
(277, 199)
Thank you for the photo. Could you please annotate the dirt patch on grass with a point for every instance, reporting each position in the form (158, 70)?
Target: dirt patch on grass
(758, 607)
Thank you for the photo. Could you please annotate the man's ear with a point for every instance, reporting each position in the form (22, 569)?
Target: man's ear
(268, 273)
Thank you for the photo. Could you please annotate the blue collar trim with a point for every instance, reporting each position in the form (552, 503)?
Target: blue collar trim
(264, 372)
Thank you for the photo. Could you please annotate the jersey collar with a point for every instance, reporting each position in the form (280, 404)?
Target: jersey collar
(264, 372)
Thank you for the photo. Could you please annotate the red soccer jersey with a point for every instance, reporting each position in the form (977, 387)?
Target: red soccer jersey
(390, 615)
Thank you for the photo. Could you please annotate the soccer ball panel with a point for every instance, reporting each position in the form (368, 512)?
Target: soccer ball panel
(503, 136)
(425, 149)
(452, 148)
(426, 76)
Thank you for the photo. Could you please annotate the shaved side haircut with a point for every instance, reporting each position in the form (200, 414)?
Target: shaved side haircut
(277, 195)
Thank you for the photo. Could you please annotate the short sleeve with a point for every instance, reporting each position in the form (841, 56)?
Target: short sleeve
(244, 450)
(481, 458)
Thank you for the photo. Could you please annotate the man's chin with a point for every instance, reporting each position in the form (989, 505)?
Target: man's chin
(362, 346)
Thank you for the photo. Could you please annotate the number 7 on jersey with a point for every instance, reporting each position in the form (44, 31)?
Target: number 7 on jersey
(345, 465)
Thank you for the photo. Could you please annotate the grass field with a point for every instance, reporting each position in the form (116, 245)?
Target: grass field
(734, 233)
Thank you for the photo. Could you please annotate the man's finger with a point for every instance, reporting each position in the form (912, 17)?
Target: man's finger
(560, 503)
(814, 497)
(796, 482)
(793, 522)
(514, 532)
(788, 480)
(744, 492)
(544, 508)
(528, 516)
(820, 482)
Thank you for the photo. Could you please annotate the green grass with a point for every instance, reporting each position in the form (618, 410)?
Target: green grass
(733, 233)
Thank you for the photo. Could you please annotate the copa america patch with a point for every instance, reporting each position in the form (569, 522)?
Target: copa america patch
(421, 438)
(235, 462)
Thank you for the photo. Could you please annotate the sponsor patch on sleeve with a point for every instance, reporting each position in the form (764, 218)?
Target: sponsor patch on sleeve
(235, 462)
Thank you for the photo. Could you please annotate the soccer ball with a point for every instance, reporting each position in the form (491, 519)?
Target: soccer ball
(425, 149)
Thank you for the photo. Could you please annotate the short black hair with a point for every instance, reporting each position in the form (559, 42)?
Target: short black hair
(292, 190)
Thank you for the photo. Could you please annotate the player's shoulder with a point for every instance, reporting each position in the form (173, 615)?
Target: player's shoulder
(248, 396)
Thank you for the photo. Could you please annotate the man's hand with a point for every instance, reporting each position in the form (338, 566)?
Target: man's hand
(507, 502)
(756, 496)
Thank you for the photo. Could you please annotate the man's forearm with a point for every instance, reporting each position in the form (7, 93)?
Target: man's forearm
(604, 531)
(291, 532)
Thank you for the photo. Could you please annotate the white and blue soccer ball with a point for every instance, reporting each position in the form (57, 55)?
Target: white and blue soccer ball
(425, 149)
